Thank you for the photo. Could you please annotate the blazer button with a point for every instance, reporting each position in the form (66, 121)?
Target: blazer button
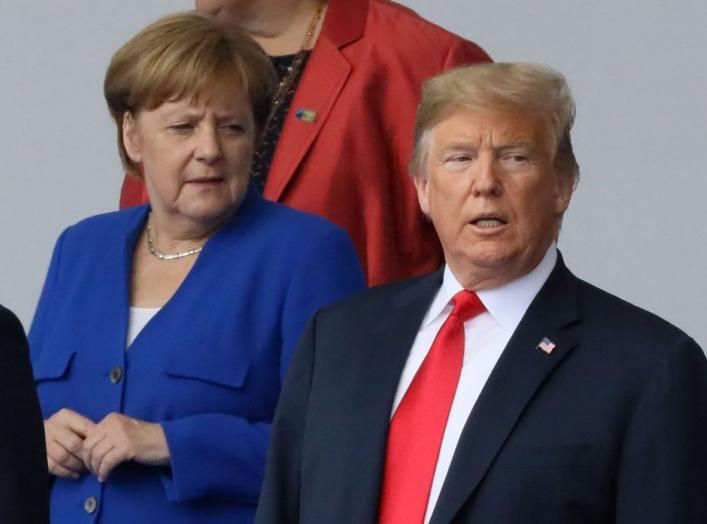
(116, 374)
(90, 504)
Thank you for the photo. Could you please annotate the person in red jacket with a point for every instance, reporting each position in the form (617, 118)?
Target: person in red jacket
(338, 140)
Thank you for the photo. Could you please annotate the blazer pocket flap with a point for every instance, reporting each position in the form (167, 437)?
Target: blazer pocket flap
(52, 364)
(216, 369)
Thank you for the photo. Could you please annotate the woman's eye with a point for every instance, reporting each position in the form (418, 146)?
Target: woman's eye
(182, 127)
(233, 129)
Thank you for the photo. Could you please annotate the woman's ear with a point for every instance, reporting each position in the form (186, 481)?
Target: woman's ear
(130, 138)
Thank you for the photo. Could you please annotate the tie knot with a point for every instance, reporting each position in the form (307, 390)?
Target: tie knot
(467, 305)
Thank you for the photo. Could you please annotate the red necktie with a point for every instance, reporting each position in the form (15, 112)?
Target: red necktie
(417, 427)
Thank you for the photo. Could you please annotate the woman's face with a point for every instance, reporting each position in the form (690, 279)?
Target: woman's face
(195, 157)
(226, 10)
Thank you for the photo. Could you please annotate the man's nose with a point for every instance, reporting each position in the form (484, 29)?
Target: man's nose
(486, 180)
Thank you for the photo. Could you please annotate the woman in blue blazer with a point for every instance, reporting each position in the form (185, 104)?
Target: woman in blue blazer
(163, 332)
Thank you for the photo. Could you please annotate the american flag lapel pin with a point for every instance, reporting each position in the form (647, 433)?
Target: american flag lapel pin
(546, 345)
(306, 115)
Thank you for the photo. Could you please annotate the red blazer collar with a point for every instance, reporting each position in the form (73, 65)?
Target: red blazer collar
(345, 21)
(322, 81)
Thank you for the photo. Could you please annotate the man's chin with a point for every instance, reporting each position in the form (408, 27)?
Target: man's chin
(489, 255)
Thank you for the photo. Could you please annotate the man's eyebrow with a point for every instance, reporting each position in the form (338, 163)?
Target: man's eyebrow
(460, 146)
(517, 144)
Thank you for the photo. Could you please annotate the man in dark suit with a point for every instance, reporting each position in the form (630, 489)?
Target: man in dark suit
(501, 389)
(24, 479)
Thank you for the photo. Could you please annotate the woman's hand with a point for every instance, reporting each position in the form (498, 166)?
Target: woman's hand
(64, 434)
(118, 438)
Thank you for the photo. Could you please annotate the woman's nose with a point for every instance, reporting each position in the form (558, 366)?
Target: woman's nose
(208, 144)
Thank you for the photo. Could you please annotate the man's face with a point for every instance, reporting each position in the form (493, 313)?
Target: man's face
(492, 193)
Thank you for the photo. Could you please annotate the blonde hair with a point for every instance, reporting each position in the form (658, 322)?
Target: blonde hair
(186, 55)
(514, 86)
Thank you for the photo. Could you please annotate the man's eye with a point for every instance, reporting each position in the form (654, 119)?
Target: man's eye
(460, 158)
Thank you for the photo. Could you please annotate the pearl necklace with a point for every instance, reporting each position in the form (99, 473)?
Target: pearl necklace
(166, 256)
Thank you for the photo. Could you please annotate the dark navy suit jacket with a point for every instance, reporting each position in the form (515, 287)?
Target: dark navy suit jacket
(208, 366)
(610, 427)
(24, 490)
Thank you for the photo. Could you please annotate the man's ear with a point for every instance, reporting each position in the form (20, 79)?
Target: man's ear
(130, 138)
(420, 181)
(564, 187)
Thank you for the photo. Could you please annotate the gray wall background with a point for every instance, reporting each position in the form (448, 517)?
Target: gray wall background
(637, 69)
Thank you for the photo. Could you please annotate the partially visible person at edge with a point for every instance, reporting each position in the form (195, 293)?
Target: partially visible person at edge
(339, 139)
(163, 332)
(24, 491)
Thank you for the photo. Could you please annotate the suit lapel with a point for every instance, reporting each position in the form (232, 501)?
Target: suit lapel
(108, 317)
(519, 373)
(122, 301)
(322, 81)
(388, 344)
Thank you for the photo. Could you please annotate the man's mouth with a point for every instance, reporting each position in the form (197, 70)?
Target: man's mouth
(488, 221)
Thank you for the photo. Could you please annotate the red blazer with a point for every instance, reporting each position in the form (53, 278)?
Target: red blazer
(350, 165)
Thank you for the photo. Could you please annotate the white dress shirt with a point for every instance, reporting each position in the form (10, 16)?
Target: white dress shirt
(486, 335)
(138, 319)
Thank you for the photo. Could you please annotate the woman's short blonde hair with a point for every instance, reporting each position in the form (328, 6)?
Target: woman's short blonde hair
(186, 55)
(512, 86)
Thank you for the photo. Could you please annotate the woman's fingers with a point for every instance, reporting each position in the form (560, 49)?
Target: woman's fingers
(110, 461)
(97, 453)
(73, 421)
(63, 457)
(91, 441)
(58, 470)
(63, 444)
(74, 443)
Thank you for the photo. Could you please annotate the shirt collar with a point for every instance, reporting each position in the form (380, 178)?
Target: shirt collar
(506, 304)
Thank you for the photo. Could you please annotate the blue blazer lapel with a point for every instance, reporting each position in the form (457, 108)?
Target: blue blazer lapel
(519, 373)
(116, 294)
